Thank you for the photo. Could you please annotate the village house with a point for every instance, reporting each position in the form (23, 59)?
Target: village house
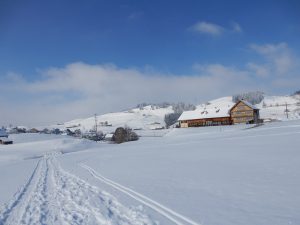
(4, 138)
(241, 112)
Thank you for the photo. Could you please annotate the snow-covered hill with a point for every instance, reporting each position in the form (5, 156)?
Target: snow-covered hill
(152, 117)
(144, 118)
(271, 107)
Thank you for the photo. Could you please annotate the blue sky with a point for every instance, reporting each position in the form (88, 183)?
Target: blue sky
(253, 43)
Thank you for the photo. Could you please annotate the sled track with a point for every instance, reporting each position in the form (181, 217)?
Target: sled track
(159, 208)
(9, 209)
(54, 196)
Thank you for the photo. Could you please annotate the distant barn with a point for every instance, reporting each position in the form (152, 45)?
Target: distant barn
(241, 112)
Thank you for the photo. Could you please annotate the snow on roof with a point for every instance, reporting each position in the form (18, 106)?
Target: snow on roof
(249, 104)
(205, 113)
(5, 140)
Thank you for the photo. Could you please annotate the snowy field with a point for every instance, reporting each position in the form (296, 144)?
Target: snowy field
(211, 176)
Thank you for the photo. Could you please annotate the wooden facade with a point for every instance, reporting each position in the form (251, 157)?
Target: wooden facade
(205, 122)
(243, 112)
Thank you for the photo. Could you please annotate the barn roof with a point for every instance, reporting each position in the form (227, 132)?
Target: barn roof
(204, 114)
(249, 104)
(246, 103)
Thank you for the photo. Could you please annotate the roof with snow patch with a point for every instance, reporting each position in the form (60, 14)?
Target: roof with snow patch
(205, 113)
(246, 103)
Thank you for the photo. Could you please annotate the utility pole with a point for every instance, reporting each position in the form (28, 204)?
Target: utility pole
(286, 111)
(96, 124)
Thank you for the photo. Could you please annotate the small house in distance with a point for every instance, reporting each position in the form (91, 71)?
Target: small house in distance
(4, 138)
(240, 112)
(244, 112)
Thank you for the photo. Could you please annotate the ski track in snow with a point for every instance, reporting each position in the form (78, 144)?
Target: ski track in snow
(54, 196)
(159, 208)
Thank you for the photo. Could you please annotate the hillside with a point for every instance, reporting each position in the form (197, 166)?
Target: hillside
(144, 118)
(151, 117)
(271, 107)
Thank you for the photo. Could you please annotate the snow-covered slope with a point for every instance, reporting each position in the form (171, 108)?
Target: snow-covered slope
(225, 175)
(152, 117)
(145, 118)
(271, 108)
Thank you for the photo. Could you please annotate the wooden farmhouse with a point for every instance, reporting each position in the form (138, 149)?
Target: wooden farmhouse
(241, 112)
(244, 112)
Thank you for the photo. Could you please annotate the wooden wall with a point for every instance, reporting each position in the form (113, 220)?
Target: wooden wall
(242, 113)
(206, 122)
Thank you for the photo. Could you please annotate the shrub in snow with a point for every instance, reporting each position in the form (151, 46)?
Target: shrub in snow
(77, 133)
(45, 131)
(55, 131)
(124, 134)
(69, 132)
(254, 97)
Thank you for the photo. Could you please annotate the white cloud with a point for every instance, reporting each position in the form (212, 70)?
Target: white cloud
(215, 29)
(291, 83)
(208, 28)
(260, 70)
(80, 90)
(279, 57)
(270, 49)
(236, 27)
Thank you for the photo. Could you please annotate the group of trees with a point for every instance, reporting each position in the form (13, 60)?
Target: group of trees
(254, 97)
(297, 92)
(154, 105)
(178, 108)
